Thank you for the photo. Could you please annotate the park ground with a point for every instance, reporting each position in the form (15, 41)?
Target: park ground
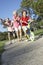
(2, 43)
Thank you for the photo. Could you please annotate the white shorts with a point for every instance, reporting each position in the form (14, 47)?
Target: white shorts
(19, 28)
(24, 28)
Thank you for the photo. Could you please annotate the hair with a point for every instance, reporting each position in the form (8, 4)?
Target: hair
(24, 11)
(8, 18)
(15, 12)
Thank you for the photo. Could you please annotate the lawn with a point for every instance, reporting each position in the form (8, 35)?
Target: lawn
(39, 32)
(2, 43)
(2, 46)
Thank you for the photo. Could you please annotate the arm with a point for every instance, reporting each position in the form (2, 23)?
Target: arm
(14, 19)
(31, 20)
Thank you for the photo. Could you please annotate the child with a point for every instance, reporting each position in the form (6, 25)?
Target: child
(9, 28)
(24, 20)
(17, 24)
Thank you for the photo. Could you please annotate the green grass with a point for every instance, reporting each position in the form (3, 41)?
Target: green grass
(2, 46)
(2, 43)
(39, 32)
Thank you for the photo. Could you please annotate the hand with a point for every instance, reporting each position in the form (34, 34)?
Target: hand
(31, 20)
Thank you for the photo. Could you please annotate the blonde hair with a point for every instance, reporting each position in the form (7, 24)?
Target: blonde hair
(15, 12)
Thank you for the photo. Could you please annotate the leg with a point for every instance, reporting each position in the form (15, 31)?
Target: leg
(20, 34)
(20, 31)
(13, 34)
(24, 29)
(17, 33)
(9, 36)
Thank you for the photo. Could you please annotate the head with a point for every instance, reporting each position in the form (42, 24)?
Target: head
(15, 13)
(7, 19)
(24, 13)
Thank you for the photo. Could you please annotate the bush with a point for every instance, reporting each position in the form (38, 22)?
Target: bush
(39, 32)
(3, 36)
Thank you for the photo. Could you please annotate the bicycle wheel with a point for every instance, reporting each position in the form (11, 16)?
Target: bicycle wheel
(32, 36)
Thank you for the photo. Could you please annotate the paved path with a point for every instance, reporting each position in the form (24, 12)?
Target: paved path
(24, 53)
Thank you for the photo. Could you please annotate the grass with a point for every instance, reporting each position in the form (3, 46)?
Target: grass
(2, 46)
(2, 43)
(39, 32)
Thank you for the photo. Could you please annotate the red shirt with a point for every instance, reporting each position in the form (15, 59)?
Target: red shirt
(25, 20)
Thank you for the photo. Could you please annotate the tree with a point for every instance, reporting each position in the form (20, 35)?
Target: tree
(26, 3)
(37, 5)
(3, 36)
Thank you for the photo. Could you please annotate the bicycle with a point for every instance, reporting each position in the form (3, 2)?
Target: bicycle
(30, 34)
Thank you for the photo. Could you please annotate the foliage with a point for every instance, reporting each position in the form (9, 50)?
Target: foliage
(37, 5)
(2, 43)
(38, 32)
(3, 36)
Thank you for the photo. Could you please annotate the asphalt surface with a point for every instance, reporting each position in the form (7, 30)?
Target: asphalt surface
(24, 53)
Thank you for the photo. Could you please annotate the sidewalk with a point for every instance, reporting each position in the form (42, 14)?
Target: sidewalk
(24, 53)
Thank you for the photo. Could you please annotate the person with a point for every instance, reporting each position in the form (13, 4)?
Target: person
(24, 21)
(17, 25)
(9, 28)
